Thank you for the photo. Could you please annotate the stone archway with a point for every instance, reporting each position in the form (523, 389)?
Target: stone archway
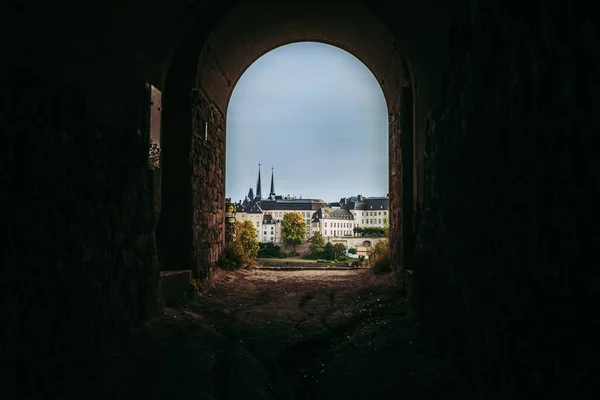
(201, 79)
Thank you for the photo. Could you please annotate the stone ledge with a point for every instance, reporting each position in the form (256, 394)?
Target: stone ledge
(173, 287)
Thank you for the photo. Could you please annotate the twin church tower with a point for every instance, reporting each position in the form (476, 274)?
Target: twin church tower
(258, 197)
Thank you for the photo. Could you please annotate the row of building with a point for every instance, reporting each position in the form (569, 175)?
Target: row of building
(332, 220)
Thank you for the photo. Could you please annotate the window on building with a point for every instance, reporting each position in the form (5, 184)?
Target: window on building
(379, 212)
(325, 225)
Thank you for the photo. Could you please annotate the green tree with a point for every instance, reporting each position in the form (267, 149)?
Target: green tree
(293, 229)
(316, 244)
(339, 249)
(327, 253)
(352, 250)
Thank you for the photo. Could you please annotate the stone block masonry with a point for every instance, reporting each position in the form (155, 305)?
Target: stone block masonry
(79, 258)
(499, 269)
(207, 159)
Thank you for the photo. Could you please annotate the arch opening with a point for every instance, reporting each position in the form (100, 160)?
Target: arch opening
(199, 85)
(317, 116)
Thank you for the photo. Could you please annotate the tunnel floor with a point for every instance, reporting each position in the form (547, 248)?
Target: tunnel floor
(256, 334)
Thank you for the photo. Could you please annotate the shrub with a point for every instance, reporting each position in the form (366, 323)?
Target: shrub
(231, 258)
(352, 250)
(379, 257)
(269, 250)
(339, 249)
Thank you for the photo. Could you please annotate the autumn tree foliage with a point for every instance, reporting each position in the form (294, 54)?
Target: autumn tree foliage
(242, 248)
(245, 238)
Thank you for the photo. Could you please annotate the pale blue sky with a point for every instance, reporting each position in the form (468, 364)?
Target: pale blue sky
(317, 114)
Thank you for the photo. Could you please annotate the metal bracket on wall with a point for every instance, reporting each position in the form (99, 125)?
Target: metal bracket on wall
(205, 130)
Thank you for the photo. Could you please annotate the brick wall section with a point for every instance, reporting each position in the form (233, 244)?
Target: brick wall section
(79, 259)
(207, 160)
(511, 178)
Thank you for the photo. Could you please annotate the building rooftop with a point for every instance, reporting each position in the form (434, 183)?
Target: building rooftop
(331, 213)
(298, 204)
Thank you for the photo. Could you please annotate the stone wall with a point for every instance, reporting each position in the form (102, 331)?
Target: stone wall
(395, 185)
(79, 253)
(191, 229)
(357, 242)
(401, 233)
(510, 183)
(207, 160)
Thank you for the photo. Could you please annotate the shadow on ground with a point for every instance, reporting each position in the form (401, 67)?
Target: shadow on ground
(257, 334)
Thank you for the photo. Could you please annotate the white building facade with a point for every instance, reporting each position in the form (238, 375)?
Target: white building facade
(370, 212)
(333, 222)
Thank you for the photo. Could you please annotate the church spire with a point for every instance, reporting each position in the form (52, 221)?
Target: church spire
(258, 188)
(272, 194)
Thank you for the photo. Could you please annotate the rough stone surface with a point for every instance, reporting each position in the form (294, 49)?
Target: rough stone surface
(401, 180)
(191, 230)
(79, 255)
(207, 160)
(501, 277)
(395, 186)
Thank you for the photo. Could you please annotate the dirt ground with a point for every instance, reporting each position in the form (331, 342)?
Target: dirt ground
(258, 334)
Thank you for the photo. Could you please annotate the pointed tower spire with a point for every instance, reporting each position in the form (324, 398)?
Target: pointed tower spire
(272, 194)
(258, 188)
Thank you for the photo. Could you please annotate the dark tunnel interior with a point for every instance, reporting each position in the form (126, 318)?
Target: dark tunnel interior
(493, 175)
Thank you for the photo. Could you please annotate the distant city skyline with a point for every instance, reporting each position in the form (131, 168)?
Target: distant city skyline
(266, 177)
(318, 116)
